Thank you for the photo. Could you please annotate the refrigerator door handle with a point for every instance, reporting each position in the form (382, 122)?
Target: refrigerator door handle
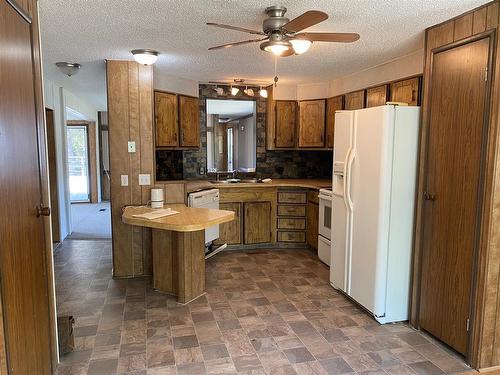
(347, 192)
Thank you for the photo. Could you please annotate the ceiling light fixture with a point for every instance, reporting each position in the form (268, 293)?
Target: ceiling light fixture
(300, 46)
(263, 92)
(248, 91)
(277, 44)
(234, 91)
(145, 56)
(67, 68)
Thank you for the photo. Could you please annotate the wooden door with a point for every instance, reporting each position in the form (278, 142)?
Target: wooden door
(332, 105)
(257, 222)
(166, 122)
(189, 121)
(376, 96)
(406, 91)
(286, 114)
(312, 123)
(312, 224)
(355, 100)
(458, 92)
(54, 195)
(24, 282)
(230, 233)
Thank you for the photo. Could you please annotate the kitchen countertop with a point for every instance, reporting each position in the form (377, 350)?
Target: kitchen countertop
(192, 186)
(188, 219)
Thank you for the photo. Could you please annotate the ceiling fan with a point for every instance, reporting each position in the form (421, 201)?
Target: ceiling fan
(283, 37)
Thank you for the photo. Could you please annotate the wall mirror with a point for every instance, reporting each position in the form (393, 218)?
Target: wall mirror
(231, 135)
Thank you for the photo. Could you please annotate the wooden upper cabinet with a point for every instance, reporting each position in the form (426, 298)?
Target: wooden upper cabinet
(189, 121)
(166, 123)
(332, 105)
(312, 123)
(376, 96)
(406, 91)
(286, 114)
(355, 100)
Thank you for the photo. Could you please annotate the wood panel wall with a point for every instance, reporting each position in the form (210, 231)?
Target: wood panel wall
(130, 117)
(484, 350)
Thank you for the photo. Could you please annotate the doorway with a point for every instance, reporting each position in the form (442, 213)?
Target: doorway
(455, 162)
(78, 163)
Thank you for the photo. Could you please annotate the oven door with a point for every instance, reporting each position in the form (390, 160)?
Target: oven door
(325, 217)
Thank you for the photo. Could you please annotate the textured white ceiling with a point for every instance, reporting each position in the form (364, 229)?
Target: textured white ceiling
(89, 31)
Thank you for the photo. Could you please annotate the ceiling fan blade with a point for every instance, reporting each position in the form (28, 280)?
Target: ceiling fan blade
(236, 44)
(308, 19)
(329, 37)
(236, 28)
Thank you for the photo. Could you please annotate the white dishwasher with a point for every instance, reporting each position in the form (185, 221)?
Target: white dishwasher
(206, 199)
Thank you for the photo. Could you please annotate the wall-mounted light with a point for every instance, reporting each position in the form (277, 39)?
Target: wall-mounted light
(234, 91)
(300, 46)
(145, 56)
(248, 92)
(219, 90)
(67, 68)
(263, 92)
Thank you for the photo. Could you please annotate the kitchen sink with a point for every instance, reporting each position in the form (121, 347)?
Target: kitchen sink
(237, 181)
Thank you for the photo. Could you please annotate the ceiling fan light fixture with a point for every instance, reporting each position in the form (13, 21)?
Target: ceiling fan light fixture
(234, 91)
(276, 47)
(300, 46)
(263, 93)
(145, 56)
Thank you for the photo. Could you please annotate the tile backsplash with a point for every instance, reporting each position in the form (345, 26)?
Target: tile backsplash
(273, 164)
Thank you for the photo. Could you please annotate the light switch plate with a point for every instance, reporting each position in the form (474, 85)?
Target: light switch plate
(144, 179)
(124, 179)
(131, 146)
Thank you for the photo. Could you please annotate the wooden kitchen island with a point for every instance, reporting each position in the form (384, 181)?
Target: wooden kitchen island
(179, 247)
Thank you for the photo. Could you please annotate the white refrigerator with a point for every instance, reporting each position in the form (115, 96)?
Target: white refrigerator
(374, 178)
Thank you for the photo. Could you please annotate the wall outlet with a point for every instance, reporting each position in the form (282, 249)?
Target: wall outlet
(202, 170)
(124, 179)
(144, 179)
(131, 146)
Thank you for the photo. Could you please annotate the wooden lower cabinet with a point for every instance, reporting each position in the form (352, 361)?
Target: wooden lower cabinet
(257, 222)
(230, 233)
(312, 225)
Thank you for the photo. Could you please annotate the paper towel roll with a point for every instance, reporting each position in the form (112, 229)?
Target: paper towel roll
(156, 198)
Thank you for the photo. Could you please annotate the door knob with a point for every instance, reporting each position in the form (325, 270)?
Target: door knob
(42, 210)
(429, 197)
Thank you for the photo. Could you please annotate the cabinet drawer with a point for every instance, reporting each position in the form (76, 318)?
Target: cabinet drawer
(288, 223)
(292, 197)
(285, 210)
(312, 196)
(292, 237)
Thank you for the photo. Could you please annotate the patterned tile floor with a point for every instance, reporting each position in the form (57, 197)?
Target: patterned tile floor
(265, 312)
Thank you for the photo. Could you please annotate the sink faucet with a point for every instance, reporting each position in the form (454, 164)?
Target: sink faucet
(235, 173)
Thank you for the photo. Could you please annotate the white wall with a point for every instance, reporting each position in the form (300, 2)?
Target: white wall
(58, 99)
(174, 84)
(402, 67)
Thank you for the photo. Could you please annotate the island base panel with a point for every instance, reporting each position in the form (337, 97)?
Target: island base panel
(179, 263)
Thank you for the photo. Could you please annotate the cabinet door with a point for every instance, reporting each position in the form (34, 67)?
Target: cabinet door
(312, 123)
(376, 96)
(166, 124)
(355, 100)
(312, 225)
(257, 222)
(286, 113)
(230, 232)
(406, 91)
(332, 105)
(189, 121)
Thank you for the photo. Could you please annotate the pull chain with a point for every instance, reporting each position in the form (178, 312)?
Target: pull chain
(275, 71)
